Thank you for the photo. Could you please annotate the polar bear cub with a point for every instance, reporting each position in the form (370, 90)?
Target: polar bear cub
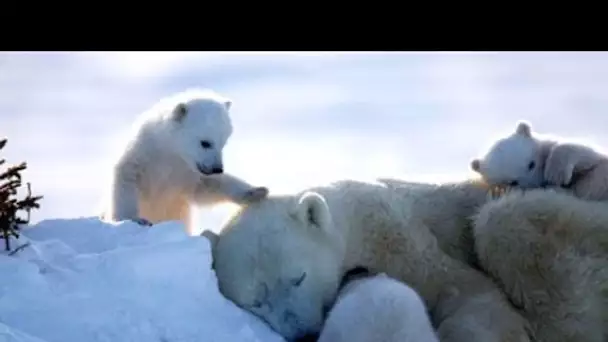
(380, 309)
(580, 168)
(516, 160)
(173, 159)
(525, 161)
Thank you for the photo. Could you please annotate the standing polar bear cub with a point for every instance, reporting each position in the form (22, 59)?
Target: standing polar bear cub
(379, 309)
(173, 159)
(523, 160)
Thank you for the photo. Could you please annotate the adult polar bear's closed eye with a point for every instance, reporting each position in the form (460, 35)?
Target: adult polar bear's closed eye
(282, 258)
(378, 309)
(174, 159)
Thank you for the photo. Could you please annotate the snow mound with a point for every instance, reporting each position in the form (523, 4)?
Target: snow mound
(85, 280)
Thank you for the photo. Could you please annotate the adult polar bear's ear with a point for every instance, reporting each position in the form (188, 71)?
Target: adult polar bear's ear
(523, 128)
(312, 209)
(212, 237)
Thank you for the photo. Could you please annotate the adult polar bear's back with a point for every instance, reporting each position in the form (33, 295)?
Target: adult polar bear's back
(549, 252)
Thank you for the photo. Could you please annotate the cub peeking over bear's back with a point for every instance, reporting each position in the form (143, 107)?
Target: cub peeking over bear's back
(526, 161)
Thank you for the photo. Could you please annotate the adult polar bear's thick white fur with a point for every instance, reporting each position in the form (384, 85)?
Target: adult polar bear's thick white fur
(282, 258)
(174, 159)
(548, 250)
(378, 309)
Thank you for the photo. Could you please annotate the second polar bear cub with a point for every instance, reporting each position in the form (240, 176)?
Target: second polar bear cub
(523, 160)
(378, 308)
(174, 159)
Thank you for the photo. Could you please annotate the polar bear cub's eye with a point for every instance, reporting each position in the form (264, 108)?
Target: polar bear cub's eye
(531, 165)
(205, 144)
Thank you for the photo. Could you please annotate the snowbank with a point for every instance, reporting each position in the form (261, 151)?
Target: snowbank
(83, 280)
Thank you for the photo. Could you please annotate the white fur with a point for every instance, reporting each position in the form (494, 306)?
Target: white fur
(378, 309)
(509, 159)
(579, 168)
(547, 252)
(576, 167)
(165, 168)
(287, 269)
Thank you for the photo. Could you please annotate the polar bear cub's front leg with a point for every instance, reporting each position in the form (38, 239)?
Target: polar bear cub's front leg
(227, 188)
(566, 160)
(124, 204)
(580, 168)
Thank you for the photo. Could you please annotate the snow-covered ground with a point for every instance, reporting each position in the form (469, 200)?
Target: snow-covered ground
(83, 280)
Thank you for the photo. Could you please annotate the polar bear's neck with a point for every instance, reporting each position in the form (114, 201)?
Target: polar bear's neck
(359, 208)
(417, 233)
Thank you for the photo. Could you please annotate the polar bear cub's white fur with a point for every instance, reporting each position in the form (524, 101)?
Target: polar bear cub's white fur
(173, 159)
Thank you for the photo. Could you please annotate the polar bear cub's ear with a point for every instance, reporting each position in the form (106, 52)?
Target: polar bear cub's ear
(179, 112)
(228, 104)
(312, 209)
(523, 128)
(476, 165)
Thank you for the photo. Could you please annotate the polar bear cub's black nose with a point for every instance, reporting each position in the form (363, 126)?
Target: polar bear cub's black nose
(217, 169)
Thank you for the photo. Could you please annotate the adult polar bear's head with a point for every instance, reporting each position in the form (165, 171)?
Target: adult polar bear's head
(281, 259)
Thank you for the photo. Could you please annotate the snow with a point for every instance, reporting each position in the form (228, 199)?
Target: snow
(86, 280)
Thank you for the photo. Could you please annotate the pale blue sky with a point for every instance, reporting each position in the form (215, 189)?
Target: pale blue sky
(300, 119)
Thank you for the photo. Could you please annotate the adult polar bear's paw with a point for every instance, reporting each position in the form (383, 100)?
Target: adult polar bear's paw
(549, 252)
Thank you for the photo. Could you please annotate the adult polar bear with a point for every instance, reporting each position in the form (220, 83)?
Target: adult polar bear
(282, 258)
(265, 251)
